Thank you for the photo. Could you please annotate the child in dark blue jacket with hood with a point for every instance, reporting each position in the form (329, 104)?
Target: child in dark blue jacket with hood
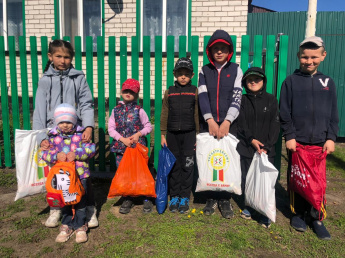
(220, 93)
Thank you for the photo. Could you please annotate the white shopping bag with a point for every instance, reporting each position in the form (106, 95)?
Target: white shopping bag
(218, 164)
(31, 170)
(260, 186)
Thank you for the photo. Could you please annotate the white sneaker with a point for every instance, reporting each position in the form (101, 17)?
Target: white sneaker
(80, 234)
(91, 217)
(54, 218)
(65, 234)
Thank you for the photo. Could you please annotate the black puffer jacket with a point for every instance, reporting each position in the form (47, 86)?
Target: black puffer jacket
(258, 119)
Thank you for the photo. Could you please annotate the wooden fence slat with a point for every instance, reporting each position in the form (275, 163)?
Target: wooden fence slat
(158, 97)
(25, 87)
(182, 46)
(101, 102)
(170, 60)
(270, 65)
(34, 66)
(77, 58)
(4, 106)
(112, 91)
(244, 53)
(67, 38)
(14, 83)
(44, 51)
(195, 58)
(205, 59)
(234, 40)
(89, 79)
(146, 81)
(257, 60)
(123, 59)
(135, 58)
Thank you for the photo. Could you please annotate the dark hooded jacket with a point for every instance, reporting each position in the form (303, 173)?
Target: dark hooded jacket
(308, 108)
(220, 91)
(258, 119)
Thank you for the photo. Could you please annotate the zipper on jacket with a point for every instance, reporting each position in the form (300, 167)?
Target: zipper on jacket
(61, 88)
(218, 93)
(179, 122)
(312, 105)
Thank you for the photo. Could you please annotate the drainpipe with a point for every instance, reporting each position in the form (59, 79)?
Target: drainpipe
(311, 19)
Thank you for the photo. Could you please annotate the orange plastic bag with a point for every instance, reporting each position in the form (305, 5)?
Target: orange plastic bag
(133, 177)
(63, 185)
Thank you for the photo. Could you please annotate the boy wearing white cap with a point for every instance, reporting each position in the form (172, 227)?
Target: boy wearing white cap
(309, 116)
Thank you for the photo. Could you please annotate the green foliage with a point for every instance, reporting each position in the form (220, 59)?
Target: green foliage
(6, 251)
(7, 179)
(33, 237)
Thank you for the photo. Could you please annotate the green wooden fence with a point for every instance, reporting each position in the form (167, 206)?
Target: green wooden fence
(10, 123)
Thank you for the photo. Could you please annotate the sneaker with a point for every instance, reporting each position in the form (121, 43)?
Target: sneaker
(246, 214)
(298, 224)
(320, 230)
(184, 206)
(225, 208)
(148, 205)
(265, 222)
(174, 204)
(64, 235)
(80, 234)
(210, 207)
(91, 217)
(54, 218)
(126, 206)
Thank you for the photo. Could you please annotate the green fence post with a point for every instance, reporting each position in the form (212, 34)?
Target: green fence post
(282, 67)
(101, 103)
(257, 60)
(67, 38)
(89, 78)
(158, 97)
(34, 67)
(14, 83)
(78, 62)
(205, 58)
(123, 59)
(146, 81)
(170, 60)
(182, 52)
(269, 67)
(24, 79)
(195, 58)
(135, 58)
(112, 90)
(4, 105)
(44, 51)
(245, 53)
(234, 41)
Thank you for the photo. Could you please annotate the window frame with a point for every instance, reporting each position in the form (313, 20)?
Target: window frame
(139, 23)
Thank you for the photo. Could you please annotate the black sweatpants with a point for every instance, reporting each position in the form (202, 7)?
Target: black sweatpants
(245, 164)
(182, 145)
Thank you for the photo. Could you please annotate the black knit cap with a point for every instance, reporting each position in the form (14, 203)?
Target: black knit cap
(184, 62)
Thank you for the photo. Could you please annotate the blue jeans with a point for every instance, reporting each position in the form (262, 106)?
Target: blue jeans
(80, 211)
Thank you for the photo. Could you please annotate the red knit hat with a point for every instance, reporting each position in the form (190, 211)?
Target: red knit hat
(131, 84)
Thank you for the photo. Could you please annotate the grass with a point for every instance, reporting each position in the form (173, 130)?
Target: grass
(7, 179)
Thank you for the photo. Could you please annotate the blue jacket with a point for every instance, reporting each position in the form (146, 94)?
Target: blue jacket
(220, 91)
(75, 91)
(308, 108)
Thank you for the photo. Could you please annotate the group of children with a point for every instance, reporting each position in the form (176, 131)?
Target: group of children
(308, 115)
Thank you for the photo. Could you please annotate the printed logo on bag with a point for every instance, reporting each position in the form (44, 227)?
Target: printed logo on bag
(218, 161)
(40, 165)
(300, 177)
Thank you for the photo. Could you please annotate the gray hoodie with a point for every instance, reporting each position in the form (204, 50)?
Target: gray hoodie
(75, 91)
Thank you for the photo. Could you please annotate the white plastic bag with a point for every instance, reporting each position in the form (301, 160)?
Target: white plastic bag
(260, 186)
(218, 164)
(31, 170)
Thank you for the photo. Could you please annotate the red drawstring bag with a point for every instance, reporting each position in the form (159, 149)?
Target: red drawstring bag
(308, 175)
(133, 177)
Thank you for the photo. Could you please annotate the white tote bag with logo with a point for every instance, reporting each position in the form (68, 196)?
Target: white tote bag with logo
(260, 186)
(218, 164)
(31, 170)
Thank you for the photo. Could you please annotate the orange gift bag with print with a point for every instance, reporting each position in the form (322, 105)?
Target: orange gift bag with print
(63, 185)
(133, 177)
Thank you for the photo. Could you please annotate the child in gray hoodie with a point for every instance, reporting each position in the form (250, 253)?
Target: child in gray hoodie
(61, 83)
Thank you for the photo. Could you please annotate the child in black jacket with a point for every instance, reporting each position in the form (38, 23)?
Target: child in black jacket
(309, 116)
(179, 124)
(258, 126)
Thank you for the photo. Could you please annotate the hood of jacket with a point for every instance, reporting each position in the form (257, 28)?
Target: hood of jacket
(219, 35)
(257, 70)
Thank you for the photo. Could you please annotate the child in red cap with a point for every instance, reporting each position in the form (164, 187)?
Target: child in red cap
(128, 124)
